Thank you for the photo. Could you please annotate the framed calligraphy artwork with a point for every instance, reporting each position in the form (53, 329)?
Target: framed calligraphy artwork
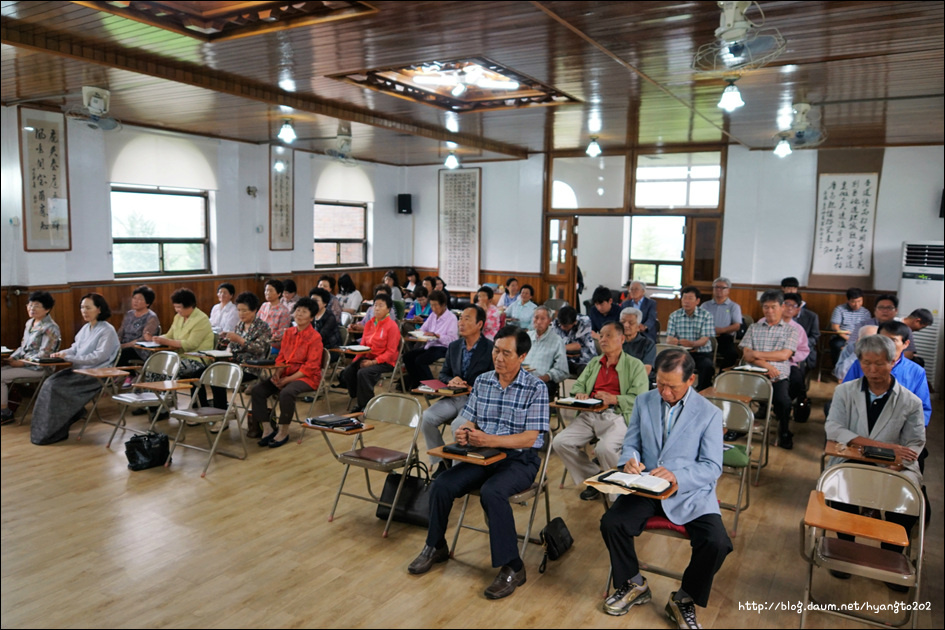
(46, 218)
(846, 214)
(459, 227)
(281, 198)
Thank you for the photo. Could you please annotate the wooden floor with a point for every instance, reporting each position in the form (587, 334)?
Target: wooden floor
(88, 543)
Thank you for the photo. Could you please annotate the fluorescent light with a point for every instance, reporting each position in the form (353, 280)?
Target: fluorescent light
(459, 90)
(731, 98)
(452, 162)
(594, 123)
(783, 149)
(593, 149)
(279, 166)
(287, 133)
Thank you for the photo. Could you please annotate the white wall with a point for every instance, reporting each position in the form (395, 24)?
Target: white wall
(511, 214)
(770, 212)
(600, 244)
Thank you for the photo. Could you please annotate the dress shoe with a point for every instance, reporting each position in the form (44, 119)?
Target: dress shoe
(840, 575)
(628, 595)
(505, 582)
(253, 432)
(590, 494)
(786, 441)
(427, 558)
(731, 436)
(898, 588)
(6, 416)
(140, 411)
(274, 443)
(266, 441)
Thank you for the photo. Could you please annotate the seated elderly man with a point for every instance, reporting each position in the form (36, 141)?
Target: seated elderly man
(728, 320)
(876, 410)
(441, 326)
(691, 327)
(575, 331)
(507, 410)
(648, 324)
(466, 358)
(797, 389)
(547, 358)
(635, 343)
(616, 379)
(674, 434)
(770, 344)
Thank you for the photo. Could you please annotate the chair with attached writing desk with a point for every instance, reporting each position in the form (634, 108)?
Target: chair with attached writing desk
(396, 409)
(397, 374)
(875, 488)
(533, 493)
(228, 376)
(759, 388)
(160, 366)
(737, 416)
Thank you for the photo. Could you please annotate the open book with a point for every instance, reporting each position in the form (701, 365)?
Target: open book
(574, 402)
(644, 481)
(752, 368)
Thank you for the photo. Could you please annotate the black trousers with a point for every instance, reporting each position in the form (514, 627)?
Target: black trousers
(906, 520)
(796, 382)
(418, 364)
(705, 368)
(710, 543)
(361, 381)
(782, 406)
(496, 483)
(727, 353)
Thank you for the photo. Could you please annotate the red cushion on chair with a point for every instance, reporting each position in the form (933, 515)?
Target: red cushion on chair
(661, 522)
(376, 454)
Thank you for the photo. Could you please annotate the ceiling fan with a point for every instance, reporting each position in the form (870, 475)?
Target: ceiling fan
(740, 43)
(95, 104)
(802, 134)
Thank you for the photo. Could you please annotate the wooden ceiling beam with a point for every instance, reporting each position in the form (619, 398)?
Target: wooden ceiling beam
(34, 37)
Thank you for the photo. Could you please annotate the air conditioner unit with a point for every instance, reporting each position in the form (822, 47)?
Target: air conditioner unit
(922, 285)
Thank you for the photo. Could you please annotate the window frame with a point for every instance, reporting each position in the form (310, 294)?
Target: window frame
(341, 241)
(161, 242)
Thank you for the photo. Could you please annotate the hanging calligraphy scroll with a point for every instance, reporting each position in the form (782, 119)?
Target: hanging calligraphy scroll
(459, 228)
(846, 213)
(46, 224)
(281, 198)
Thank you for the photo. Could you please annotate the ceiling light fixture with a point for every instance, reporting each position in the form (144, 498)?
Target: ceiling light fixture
(287, 133)
(593, 149)
(452, 162)
(783, 148)
(731, 97)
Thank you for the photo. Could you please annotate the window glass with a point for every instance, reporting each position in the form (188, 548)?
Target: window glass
(340, 234)
(678, 180)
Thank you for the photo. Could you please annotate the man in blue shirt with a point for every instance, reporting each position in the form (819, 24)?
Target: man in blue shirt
(507, 410)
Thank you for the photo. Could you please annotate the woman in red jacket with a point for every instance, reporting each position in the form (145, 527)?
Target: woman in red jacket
(382, 335)
(298, 369)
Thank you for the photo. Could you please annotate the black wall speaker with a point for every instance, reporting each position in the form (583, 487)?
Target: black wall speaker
(404, 204)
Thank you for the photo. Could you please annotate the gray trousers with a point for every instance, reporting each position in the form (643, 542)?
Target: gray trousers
(607, 426)
(10, 373)
(444, 410)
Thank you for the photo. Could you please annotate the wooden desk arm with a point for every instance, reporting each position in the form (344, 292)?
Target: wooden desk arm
(822, 516)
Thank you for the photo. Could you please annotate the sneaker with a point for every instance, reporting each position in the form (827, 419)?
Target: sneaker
(683, 614)
(630, 594)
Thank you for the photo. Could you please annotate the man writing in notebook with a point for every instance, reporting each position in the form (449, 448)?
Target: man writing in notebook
(674, 434)
(507, 410)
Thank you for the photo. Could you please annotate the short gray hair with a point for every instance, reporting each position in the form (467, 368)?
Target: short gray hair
(630, 310)
(723, 280)
(773, 295)
(640, 282)
(876, 344)
(544, 308)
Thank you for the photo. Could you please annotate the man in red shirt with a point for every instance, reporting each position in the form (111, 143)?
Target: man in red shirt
(382, 335)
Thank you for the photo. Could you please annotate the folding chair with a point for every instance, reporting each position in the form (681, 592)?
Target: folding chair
(160, 366)
(226, 375)
(322, 391)
(874, 488)
(397, 409)
(665, 346)
(107, 376)
(759, 388)
(662, 526)
(737, 416)
(532, 493)
(41, 375)
(398, 372)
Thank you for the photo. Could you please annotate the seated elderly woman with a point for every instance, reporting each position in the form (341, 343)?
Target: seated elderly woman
(349, 295)
(290, 294)
(62, 398)
(521, 311)
(248, 342)
(138, 321)
(190, 332)
(325, 322)
(877, 410)
(419, 310)
(223, 315)
(390, 279)
(274, 313)
(298, 369)
(413, 281)
(40, 339)
(493, 317)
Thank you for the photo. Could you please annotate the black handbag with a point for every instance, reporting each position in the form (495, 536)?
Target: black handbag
(413, 506)
(147, 450)
(556, 539)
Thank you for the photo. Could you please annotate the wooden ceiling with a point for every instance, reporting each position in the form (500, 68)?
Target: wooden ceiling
(872, 70)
